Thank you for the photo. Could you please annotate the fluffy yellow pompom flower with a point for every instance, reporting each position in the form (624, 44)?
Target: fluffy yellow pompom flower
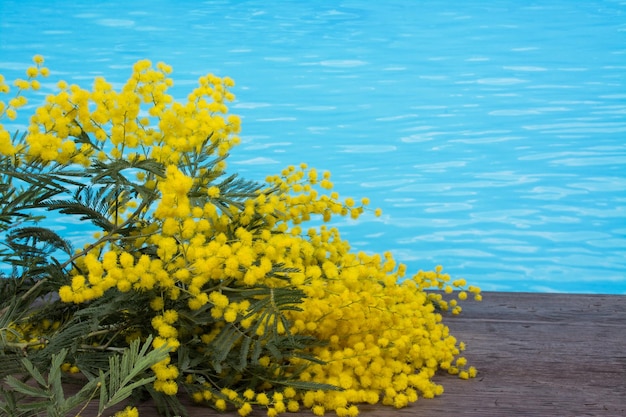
(213, 192)
(128, 412)
(218, 299)
(6, 146)
(262, 399)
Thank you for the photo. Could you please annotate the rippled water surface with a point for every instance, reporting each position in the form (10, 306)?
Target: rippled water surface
(491, 133)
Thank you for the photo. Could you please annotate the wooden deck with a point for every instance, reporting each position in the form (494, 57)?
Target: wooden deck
(537, 355)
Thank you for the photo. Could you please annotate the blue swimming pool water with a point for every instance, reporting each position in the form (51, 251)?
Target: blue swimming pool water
(491, 133)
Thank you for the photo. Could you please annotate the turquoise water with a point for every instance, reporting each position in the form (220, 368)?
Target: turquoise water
(491, 133)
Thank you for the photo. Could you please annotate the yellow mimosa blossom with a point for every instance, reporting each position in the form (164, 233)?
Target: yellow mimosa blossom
(129, 411)
(225, 274)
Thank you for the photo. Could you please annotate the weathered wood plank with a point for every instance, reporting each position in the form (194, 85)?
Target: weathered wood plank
(537, 355)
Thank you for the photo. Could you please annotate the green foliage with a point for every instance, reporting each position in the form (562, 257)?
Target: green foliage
(126, 372)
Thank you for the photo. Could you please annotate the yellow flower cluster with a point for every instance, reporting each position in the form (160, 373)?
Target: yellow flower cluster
(124, 119)
(386, 338)
(9, 109)
(199, 244)
(29, 335)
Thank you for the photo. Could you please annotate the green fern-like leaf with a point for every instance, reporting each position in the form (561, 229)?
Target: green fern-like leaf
(124, 375)
(124, 372)
(85, 212)
(234, 191)
(34, 236)
(112, 172)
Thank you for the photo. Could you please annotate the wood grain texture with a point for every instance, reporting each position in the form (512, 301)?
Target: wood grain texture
(537, 355)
